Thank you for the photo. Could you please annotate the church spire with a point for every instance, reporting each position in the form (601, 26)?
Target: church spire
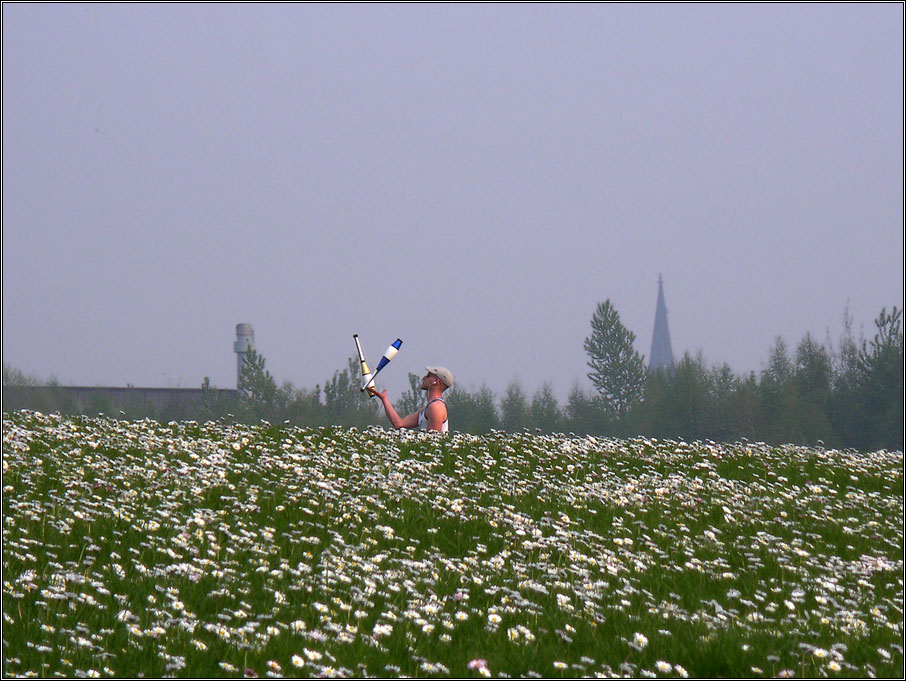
(661, 350)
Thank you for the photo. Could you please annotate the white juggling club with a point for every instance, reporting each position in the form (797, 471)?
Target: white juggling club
(366, 372)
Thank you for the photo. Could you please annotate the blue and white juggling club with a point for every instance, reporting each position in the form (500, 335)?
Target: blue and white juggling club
(389, 354)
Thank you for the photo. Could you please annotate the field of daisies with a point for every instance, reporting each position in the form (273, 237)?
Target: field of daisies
(140, 549)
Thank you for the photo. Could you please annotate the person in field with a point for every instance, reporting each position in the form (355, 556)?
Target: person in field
(434, 416)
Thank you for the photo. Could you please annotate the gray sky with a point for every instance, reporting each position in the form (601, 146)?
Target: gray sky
(471, 178)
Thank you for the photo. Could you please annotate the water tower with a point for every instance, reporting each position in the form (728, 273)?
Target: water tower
(245, 339)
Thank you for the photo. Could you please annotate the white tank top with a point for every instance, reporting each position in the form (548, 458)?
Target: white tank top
(423, 420)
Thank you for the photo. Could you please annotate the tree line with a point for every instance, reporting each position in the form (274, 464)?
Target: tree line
(851, 397)
(810, 394)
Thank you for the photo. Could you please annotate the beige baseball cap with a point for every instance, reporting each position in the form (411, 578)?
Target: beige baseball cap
(445, 375)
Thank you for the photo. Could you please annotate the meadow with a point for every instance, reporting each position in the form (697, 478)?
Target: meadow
(144, 549)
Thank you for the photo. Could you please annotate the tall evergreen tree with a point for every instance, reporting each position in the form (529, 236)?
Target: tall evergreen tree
(880, 383)
(617, 370)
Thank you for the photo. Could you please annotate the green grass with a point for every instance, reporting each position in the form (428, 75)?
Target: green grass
(195, 550)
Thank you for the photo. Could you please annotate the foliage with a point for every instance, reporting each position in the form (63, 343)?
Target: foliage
(514, 409)
(811, 385)
(775, 394)
(259, 397)
(583, 413)
(14, 377)
(413, 399)
(471, 413)
(213, 404)
(879, 383)
(844, 408)
(545, 412)
(345, 403)
(617, 370)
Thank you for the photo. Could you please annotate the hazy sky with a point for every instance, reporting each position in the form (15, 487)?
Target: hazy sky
(471, 178)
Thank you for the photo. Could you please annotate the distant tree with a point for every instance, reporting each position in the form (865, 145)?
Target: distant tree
(259, 397)
(720, 423)
(777, 397)
(690, 399)
(471, 413)
(812, 382)
(214, 405)
(650, 416)
(584, 414)
(345, 403)
(413, 399)
(617, 370)
(40, 397)
(744, 409)
(304, 407)
(812, 373)
(486, 411)
(14, 377)
(780, 368)
(845, 407)
(880, 383)
(545, 411)
(514, 409)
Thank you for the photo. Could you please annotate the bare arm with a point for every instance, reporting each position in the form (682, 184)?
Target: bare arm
(410, 421)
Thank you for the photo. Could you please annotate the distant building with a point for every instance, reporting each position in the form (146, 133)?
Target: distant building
(159, 403)
(661, 351)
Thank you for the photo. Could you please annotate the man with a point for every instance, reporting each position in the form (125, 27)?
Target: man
(434, 416)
